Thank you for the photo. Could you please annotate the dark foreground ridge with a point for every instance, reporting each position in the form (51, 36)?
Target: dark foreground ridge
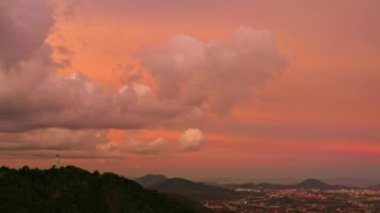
(71, 189)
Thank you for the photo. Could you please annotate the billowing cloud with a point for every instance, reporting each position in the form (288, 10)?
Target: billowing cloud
(44, 113)
(191, 75)
(22, 29)
(191, 140)
(214, 75)
(33, 95)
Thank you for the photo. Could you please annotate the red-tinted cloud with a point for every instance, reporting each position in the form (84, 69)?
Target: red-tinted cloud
(191, 75)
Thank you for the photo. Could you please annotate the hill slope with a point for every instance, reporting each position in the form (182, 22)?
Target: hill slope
(71, 189)
(313, 184)
(150, 180)
(194, 190)
(306, 184)
(375, 187)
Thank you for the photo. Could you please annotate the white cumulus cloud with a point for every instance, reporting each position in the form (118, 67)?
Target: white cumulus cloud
(191, 140)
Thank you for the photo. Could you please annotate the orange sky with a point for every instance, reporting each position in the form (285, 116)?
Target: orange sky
(318, 117)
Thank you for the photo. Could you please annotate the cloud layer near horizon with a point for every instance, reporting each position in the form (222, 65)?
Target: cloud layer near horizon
(46, 143)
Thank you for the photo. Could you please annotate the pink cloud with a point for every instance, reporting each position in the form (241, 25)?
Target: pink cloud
(214, 75)
(191, 140)
(191, 75)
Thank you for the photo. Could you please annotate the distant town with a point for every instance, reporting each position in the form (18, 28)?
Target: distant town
(300, 200)
(310, 195)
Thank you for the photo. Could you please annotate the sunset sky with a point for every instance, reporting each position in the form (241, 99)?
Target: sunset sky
(226, 90)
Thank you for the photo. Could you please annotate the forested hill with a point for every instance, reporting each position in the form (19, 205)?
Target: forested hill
(197, 191)
(70, 189)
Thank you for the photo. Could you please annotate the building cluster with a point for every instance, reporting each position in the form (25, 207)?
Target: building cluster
(300, 200)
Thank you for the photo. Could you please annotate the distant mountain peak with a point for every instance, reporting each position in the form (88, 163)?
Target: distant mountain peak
(151, 179)
(194, 190)
(181, 180)
(154, 176)
(376, 187)
(312, 183)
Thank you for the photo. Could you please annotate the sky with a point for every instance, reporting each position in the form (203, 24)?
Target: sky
(209, 90)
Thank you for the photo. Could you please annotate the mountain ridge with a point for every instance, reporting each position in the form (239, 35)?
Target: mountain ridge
(197, 191)
(72, 189)
(310, 183)
(150, 179)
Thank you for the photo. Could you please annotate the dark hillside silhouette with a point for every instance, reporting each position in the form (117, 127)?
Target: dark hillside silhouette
(71, 189)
